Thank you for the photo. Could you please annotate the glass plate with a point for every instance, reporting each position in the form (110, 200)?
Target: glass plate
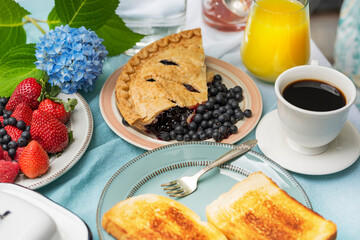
(148, 171)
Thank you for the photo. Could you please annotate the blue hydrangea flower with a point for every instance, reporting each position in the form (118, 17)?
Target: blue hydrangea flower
(72, 57)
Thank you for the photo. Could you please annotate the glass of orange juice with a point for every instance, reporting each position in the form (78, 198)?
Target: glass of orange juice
(276, 37)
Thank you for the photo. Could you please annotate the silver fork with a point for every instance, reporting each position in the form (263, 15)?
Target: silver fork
(186, 185)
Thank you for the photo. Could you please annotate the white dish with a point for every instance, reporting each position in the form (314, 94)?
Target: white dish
(29, 215)
(81, 123)
(342, 152)
(232, 77)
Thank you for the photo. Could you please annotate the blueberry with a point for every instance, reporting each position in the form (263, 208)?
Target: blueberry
(222, 109)
(6, 115)
(195, 137)
(239, 97)
(230, 112)
(12, 121)
(238, 89)
(247, 113)
(227, 124)
(207, 115)
(222, 118)
(222, 130)
(202, 135)
(191, 132)
(179, 137)
(209, 132)
(201, 109)
(6, 139)
(204, 124)
(209, 105)
(216, 135)
(227, 106)
(216, 124)
(230, 95)
(6, 122)
(12, 144)
(233, 129)
(27, 128)
(193, 126)
(216, 113)
(217, 77)
(2, 132)
(3, 101)
(233, 120)
(179, 129)
(21, 125)
(165, 136)
(5, 147)
(22, 142)
(187, 137)
(239, 115)
(12, 153)
(216, 106)
(184, 124)
(219, 99)
(211, 100)
(213, 91)
(26, 135)
(172, 135)
(234, 105)
(198, 118)
(210, 122)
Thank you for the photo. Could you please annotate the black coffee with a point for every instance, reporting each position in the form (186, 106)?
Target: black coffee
(314, 95)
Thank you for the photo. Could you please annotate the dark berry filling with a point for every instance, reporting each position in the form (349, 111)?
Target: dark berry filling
(174, 118)
(190, 88)
(168, 62)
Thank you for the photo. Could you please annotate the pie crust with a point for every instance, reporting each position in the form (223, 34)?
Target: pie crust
(167, 73)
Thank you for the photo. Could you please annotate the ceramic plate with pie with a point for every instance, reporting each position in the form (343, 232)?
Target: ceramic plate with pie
(231, 75)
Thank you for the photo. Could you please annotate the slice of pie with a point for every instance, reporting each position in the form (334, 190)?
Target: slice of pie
(166, 79)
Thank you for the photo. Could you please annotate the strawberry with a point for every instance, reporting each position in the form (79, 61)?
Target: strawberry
(8, 171)
(33, 160)
(28, 90)
(19, 150)
(13, 132)
(1, 119)
(7, 156)
(1, 153)
(51, 134)
(23, 112)
(56, 109)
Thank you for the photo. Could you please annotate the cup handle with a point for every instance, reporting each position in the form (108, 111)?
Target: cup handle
(314, 62)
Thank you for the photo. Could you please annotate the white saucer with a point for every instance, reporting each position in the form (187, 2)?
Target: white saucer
(343, 151)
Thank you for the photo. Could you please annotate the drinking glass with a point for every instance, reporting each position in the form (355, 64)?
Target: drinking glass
(276, 37)
(155, 18)
(226, 15)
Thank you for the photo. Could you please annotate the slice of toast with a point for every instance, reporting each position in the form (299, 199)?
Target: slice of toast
(256, 208)
(151, 216)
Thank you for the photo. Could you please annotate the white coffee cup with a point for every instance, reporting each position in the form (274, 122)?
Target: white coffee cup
(310, 132)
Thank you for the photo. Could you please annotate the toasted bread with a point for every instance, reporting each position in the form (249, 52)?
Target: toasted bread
(151, 216)
(256, 208)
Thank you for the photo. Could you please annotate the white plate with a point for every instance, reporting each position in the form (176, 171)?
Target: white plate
(27, 209)
(232, 77)
(343, 151)
(81, 123)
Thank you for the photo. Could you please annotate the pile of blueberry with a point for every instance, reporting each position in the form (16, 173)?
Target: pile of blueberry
(214, 119)
(6, 142)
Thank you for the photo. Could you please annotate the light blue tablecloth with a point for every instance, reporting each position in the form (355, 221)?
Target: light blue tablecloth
(335, 196)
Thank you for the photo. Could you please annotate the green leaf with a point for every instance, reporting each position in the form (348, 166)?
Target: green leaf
(53, 19)
(117, 37)
(12, 32)
(16, 65)
(91, 14)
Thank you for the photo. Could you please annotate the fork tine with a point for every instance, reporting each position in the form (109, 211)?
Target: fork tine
(179, 194)
(169, 183)
(177, 191)
(173, 187)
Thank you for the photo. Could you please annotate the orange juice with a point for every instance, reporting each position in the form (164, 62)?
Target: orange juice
(276, 37)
